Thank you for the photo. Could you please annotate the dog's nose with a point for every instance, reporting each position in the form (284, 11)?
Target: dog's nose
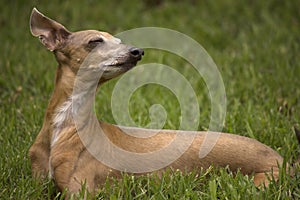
(136, 52)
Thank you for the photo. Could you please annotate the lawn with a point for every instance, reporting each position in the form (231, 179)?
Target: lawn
(255, 45)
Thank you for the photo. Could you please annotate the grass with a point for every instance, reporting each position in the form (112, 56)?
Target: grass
(255, 44)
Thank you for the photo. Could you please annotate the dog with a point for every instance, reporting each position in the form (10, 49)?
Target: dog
(59, 151)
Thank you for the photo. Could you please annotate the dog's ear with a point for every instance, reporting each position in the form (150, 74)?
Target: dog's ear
(52, 34)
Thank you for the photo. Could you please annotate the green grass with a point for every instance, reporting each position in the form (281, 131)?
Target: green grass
(255, 44)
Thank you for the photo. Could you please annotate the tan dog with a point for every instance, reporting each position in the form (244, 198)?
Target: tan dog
(59, 150)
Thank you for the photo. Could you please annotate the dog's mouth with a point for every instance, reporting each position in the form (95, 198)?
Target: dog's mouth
(126, 62)
(122, 65)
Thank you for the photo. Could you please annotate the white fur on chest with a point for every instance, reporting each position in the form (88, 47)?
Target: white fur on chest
(64, 117)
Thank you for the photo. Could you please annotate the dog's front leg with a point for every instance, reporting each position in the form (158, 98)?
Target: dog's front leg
(39, 154)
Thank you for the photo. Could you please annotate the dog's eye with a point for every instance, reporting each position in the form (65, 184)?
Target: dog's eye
(96, 41)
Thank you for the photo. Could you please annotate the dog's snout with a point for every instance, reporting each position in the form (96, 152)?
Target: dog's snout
(136, 52)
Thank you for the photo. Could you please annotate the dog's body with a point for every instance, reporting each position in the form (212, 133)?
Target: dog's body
(59, 150)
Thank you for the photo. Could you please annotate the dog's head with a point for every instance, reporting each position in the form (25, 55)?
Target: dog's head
(73, 48)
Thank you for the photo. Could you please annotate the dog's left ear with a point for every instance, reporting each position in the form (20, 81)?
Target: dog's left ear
(52, 34)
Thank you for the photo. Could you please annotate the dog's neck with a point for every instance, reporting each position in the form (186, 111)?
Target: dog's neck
(63, 87)
(64, 81)
(57, 115)
(70, 91)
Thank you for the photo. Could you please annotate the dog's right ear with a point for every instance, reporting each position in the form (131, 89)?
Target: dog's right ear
(52, 34)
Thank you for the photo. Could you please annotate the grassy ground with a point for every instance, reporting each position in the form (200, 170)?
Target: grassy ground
(255, 44)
